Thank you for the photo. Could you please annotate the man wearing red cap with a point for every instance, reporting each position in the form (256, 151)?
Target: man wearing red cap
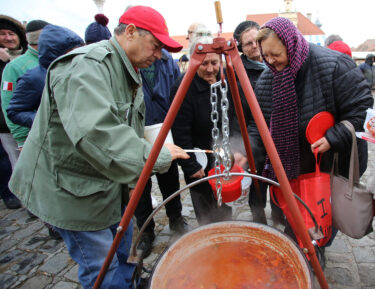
(86, 148)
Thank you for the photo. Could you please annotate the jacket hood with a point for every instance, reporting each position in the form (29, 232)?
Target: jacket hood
(369, 58)
(55, 41)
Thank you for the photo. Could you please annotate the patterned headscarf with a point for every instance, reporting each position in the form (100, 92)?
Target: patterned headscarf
(284, 116)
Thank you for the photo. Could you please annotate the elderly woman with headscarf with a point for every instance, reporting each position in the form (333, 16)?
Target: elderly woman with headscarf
(192, 129)
(302, 80)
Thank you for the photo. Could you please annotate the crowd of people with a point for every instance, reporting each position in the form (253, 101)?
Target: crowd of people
(73, 113)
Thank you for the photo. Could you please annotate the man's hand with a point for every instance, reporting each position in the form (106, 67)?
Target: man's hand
(322, 145)
(198, 175)
(176, 151)
(4, 55)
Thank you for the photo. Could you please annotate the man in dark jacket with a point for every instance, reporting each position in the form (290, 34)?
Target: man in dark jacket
(157, 82)
(368, 70)
(12, 44)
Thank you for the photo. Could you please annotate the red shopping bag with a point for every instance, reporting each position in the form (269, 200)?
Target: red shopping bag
(315, 191)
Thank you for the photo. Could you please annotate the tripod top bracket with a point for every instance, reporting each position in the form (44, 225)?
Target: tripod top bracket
(219, 46)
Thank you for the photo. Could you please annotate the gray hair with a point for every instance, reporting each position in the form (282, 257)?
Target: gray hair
(201, 31)
(207, 39)
(121, 28)
(332, 38)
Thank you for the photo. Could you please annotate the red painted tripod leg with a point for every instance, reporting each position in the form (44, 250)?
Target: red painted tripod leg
(277, 165)
(195, 61)
(241, 120)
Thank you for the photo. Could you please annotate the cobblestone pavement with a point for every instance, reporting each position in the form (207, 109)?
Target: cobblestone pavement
(30, 259)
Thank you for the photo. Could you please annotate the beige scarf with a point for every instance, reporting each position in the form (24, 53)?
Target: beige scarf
(14, 53)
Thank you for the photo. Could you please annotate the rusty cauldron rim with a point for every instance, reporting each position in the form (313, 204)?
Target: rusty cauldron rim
(230, 226)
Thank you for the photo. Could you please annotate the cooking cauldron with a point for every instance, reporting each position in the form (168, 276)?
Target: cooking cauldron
(233, 254)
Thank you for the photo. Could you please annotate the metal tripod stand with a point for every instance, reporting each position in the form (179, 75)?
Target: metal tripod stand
(233, 63)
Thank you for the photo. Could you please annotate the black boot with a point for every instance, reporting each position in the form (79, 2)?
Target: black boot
(145, 245)
(53, 234)
(277, 216)
(12, 203)
(259, 216)
(179, 225)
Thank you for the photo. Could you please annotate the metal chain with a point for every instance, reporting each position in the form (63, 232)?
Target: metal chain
(215, 136)
(225, 129)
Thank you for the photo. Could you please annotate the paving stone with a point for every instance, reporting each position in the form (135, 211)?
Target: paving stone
(65, 285)
(365, 241)
(26, 261)
(33, 242)
(8, 259)
(72, 274)
(162, 239)
(7, 280)
(8, 243)
(56, 263)
(186, 211)
(37, 282)
(339, 246)
(364, 254)
(16, 215)
(340, 276)
(4, 223)
(28, 231)
(51, 245)
(339, 258)
(367, 273)
(7, 230)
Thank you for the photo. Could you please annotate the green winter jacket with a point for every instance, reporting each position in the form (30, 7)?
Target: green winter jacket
(12, 71)
(86, 142)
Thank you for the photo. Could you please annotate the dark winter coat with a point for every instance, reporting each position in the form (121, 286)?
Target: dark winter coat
(157, 98)
(54, 41)
(192, 126)
(253, 72)
(327, 81)
(368, 70)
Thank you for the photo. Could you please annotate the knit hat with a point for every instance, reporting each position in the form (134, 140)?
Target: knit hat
(151, 20)
(241, 28)
(97, 30)
(341, 47)
(33, 30)
(9, 23)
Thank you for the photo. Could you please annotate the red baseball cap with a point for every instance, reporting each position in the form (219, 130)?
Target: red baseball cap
(151, 20)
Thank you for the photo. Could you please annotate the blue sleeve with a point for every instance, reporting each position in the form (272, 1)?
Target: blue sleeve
(26, 99)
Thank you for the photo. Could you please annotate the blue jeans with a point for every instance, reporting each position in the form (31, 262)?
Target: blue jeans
(89, 250)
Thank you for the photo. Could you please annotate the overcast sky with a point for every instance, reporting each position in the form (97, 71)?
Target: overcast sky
(352, 20)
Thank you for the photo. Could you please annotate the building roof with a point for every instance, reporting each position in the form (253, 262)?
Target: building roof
(311, 32)
(304, 25)
(368, 45)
